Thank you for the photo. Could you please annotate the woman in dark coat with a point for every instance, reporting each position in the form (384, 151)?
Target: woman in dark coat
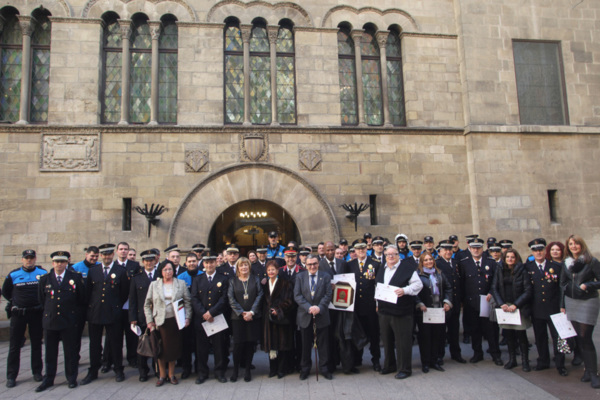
(277, 309)
(512, 289)
(436, 293)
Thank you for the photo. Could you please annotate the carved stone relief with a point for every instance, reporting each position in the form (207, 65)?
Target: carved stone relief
(70, 152)
(196, 160)
(309, 160)
(254, 147)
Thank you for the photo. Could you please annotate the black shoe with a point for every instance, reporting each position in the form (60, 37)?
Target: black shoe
(133, 364)
(327, 375)
(595, 380)
(38, 377)
(526, 367)
(45, 385)
(498, 361)
(586, 376)
(476, 358)
(252, 366)
(459, 359)
(386, 371)
(577, 361)
(72, 385)
(221, 379)
(105, 369)
(186, 374)
(503, 342)
(89, 378)
(376, 366)
(303, 375)
(438, 367)
(120, 377)
(280, 375)
(562, 371)
(466, 339)
(11, 383)
(200, 380)
(425, 369)
(233, 378)
(541, 367)
(247, 376)
(510, 364)
(143, 378)
(440, 361)
(272, 374)
(402, 375)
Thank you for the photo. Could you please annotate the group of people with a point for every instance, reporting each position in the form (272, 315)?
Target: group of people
(279, 299)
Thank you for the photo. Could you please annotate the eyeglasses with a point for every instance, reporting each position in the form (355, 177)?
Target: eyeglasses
(312, 264)
(392, 255)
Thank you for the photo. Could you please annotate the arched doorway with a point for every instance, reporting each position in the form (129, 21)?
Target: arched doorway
(248, 224)
(211, 197)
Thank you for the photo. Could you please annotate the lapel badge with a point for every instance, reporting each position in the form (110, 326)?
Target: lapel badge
(551, 270)
(71, 282)
(37, 277)
(487, 267)
(113, 276)
(219, 284)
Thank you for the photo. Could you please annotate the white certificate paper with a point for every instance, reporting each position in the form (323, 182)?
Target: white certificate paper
(563, 326)
(484, 306)
(179, 309)
(386, 293)
(508, 318)
(434, 316)
(343, 278)
(219, 324)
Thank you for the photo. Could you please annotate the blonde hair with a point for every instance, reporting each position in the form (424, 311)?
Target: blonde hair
(585, 251)
(240, 261)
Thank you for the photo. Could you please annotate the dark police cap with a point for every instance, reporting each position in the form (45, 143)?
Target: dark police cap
(494, 247)
(60, 256)
(304, 251)
(28, 253)
(445, 244)
(453, 238)
(491, 240)
(212, 255)
(378, 240)
(505, 243)
(107, 248)
(367, 235)
(172, 248)
(290, 251)
(198, 247)
(417, 244)
(261, 250)
(343, 242)
(360, 244)
(232, 248)
(273, 234)
(537, 244)
(427, 239)
(149, 254)
(476, 242)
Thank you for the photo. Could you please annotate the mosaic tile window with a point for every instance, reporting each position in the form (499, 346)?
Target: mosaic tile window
(111, 85)
(141, 72)
(395, 85)
(11, 41)
(40, 69)
(347, 71)
(260, 77)
(167, 72)
(286, 79)
(234, 75)
(371, 79)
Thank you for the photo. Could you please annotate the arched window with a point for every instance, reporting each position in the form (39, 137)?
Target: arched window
(347, 71)
(395, 81)
(234, 73)
(111, 76)
(286, 82)
(40, 67)
(141, 70)
(371, 78)
(260, 76)
(11, 41)
(167, 74)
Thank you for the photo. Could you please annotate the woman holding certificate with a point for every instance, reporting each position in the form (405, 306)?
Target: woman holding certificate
(580, 281)
(436, 293)
(160, 314)
(245, 294)
(512, 290)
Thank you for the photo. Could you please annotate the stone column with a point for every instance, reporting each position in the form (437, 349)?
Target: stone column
(382, 37)
(246, 32)
(155, 32)
(125, 25)
(273, 31)
(26, 24)
(356, 37)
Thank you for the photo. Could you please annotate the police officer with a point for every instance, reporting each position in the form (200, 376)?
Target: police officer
(20, 288)
(198, 249)
(108, 288)
(61, 293)
(428, 244)
(274, 249)
(259, 268)
(83, 267)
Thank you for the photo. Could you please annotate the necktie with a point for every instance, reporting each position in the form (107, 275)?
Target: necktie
(541, 268)
(312, 285)
(106, 269)
(361, 266)
(59, 279)
(477, 264)
(150, 276)
(209, 279)
(332, 266)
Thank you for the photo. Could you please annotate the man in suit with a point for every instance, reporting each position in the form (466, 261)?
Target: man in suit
(377, 254)
(396, 319)
(476, 274)
(209, 300)
(331, 265)
(138, 289)
(416, 247)
(258, 268)
(290, 272)
(174, 256)
(107, 288)
(232, 253)
(61, 293)
(447, 265)
(545, 277)
(312, 293)
(83, 267)
(198, 249)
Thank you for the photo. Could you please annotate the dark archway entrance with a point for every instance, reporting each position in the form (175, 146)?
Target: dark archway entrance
(248, 223)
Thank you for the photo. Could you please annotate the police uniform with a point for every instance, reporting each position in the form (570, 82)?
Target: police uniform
(62, 303)
(21, 289)
(188, 336)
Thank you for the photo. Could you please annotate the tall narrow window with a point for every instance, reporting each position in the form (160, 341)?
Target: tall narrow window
(373, 208)
(40, 71)
(371, 78)
(113, 51)
(395, 80)
(234, 74)
(126, 218)
(286, 83)
(167, 74)
(141, 71)
(347, 71)
(260, 76)
(553, 205)
(11, 41)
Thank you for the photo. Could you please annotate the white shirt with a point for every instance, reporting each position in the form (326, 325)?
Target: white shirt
(414, 284)
(272, 285)
(62, 276)
(389, 273)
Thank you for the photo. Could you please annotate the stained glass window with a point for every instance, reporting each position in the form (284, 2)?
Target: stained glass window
(234, 75)
(260, 76)
(40, 69)
(371, 79)
(347, 71)
(395, 85)
(10, 68)
(167, 73)
(111, 98)
(141, 72)
(286, 81)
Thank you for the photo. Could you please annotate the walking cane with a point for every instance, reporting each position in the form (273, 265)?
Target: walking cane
(315, 346)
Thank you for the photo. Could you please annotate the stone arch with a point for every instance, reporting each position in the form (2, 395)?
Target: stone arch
(210, 197)
(153, 9)
(358, 17)
(57, 8)
(246, 12)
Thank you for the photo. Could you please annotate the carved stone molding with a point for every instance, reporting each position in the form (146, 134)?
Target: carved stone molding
(70, 152)
(196, 160)
(309, 160)
(254, 146)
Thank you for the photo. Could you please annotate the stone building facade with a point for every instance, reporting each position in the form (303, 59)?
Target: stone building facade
(490, 126)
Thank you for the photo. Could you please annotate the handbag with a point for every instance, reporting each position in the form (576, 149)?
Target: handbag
(563, 346)
(149, 344)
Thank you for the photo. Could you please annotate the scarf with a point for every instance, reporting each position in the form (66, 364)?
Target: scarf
(434, 287)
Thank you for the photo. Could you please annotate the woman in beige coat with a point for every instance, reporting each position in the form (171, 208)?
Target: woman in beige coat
(160, 314)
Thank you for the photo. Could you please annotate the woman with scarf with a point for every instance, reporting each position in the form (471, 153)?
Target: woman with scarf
(580, 281)
(436, 293)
